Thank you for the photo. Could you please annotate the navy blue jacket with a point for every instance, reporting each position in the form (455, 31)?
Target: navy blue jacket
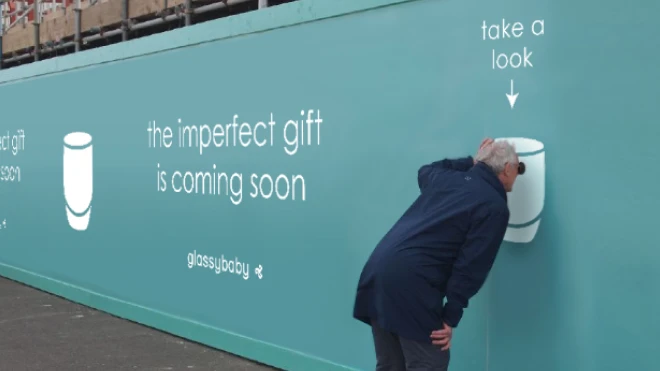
(443, 246)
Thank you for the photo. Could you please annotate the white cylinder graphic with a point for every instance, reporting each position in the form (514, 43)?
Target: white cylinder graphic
(527, 198)
(78, 169)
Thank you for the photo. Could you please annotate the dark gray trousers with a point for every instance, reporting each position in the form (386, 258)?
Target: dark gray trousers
(397, 354)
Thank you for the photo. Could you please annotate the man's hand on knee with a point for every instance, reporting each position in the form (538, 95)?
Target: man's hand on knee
(442, 337)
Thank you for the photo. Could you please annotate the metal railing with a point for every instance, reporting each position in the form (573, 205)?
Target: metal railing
(40, 8)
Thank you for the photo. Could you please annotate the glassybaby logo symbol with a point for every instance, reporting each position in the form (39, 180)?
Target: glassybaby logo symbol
(78, 171)
(527, 199)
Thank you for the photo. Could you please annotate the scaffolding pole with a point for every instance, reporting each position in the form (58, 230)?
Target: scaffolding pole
(1, 34)
(77, 14)
(124, 20)
(37, 19)
(189, 12)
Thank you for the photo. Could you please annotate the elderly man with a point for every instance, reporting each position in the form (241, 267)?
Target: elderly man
(443, 246)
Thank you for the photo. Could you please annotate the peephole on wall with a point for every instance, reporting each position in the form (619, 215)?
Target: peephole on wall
(527, 198)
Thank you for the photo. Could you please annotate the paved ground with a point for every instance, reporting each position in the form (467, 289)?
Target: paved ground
(39, 331)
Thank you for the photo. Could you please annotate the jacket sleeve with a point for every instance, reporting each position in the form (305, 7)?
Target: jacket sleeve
(425, 173)
(474, 261)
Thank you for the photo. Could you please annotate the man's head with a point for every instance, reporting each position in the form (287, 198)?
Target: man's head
(501, 157)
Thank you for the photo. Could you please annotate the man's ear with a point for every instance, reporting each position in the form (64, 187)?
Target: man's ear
(508, 168)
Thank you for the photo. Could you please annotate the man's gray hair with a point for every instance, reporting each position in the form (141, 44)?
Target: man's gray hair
(497, 155)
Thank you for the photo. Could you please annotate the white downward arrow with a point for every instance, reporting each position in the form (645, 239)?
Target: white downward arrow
(512, 97)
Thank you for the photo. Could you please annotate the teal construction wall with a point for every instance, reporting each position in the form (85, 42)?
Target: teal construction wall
(396, 84)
